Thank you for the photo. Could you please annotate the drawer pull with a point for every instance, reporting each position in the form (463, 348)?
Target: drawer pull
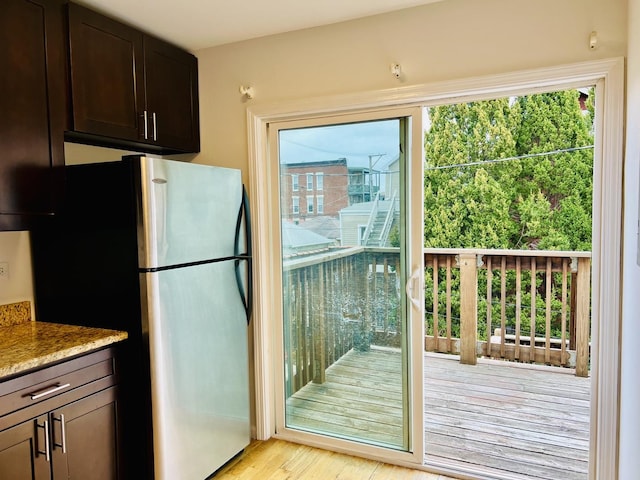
(49, 391)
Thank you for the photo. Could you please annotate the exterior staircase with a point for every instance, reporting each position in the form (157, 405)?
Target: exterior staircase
(384, 215)
(376, 237)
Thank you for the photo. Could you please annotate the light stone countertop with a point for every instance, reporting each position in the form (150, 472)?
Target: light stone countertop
(35, 344)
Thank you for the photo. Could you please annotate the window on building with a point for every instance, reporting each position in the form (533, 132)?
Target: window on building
(319, 181)
(295, 205)
(309, 181)
(294, 182)
(310, 204)
(361, 231)
(320, 204)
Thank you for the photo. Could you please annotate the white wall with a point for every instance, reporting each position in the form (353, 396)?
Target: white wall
(76, 154)
(446, 40)
(15, 248)
(629, 465)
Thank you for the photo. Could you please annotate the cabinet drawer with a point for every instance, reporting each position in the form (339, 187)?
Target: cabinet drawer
(49, 382)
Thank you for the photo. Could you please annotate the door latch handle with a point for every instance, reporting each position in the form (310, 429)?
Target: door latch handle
(410, 288)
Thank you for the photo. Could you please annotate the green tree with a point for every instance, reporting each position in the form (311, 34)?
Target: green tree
(511, 173)
(552, 122)
(469, 206)
(538, 198)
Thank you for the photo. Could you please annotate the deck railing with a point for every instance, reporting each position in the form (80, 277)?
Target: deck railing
(477, 303)
(521, 305)
(348, 298)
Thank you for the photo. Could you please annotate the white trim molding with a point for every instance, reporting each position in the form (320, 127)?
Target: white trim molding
(608, 77)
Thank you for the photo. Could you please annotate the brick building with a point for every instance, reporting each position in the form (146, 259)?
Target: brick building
(312, 189)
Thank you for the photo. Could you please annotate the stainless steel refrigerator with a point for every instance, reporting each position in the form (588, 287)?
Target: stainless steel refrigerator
(160, 248)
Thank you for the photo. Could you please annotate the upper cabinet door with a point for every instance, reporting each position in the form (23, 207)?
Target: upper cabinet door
(129, 89)
(171, 85)
(32, 107)
(106, 76)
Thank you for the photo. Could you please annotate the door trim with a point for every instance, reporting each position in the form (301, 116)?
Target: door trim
(608, 76)
(413, 380)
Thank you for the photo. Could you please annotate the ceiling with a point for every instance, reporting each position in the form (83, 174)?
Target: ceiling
(197, 24)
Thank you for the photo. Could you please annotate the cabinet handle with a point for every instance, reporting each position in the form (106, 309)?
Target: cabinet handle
(45, 427)
(63, 433)
(155, 128)
(146, 126)
(48, 391)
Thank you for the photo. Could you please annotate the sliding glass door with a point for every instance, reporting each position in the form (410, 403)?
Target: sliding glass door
(350, 357)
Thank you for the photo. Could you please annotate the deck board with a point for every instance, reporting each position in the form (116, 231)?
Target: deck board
(529, 422)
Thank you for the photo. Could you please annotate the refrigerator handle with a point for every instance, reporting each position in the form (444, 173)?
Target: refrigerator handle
(247, 296)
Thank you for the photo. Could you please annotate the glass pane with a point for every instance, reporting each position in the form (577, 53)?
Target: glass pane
(343, 295)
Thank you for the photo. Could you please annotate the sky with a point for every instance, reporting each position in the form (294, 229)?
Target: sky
(355, 142)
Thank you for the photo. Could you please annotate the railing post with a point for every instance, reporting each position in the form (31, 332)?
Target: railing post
(468, 308)
(583, 284)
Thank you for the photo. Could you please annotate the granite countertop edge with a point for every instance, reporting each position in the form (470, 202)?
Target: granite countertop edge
(36, 344)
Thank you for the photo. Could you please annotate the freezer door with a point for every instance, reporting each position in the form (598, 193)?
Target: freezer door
(197, 334)
(187, 212)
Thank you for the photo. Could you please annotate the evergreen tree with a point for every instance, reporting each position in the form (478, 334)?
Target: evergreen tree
(469, 206)
(508, 174)
(541, 201)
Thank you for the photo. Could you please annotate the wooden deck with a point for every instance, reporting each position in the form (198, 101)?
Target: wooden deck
(532, 423)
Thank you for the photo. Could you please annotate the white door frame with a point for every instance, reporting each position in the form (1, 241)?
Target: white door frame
(608, 77)
(414, 217)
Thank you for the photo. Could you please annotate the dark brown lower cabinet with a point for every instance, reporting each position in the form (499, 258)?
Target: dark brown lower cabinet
(84, 438)
(19, 457)
(76, 438)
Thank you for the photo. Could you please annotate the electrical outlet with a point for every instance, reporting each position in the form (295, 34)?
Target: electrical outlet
(4, 269)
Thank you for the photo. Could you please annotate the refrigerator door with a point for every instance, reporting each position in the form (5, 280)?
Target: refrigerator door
(197, 334)
(187, 212)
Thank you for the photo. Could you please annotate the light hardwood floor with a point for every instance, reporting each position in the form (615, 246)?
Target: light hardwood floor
(279, 460)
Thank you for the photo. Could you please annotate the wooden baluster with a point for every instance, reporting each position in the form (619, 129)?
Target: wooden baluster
(319, 332)
(335, 310)
(563, 345)
(400, 326)
(503, 304)
(532, 324)
(468, 308)
(518, 307)
(489, 304)
(387, 295)
(292, 329)
(448, 347)
(572, 311)
(306, 332)
(582, 316)
(302, 366)
(435, 304)
(374, 297)
(547, 342)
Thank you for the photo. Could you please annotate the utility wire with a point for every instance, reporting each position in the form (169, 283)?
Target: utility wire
(508, 159)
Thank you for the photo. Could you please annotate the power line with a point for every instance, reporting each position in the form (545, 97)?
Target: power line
(323, 150)
(508, 159)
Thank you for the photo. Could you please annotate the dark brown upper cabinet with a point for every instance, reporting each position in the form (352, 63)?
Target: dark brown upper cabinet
(32, 108)
(129, 89)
